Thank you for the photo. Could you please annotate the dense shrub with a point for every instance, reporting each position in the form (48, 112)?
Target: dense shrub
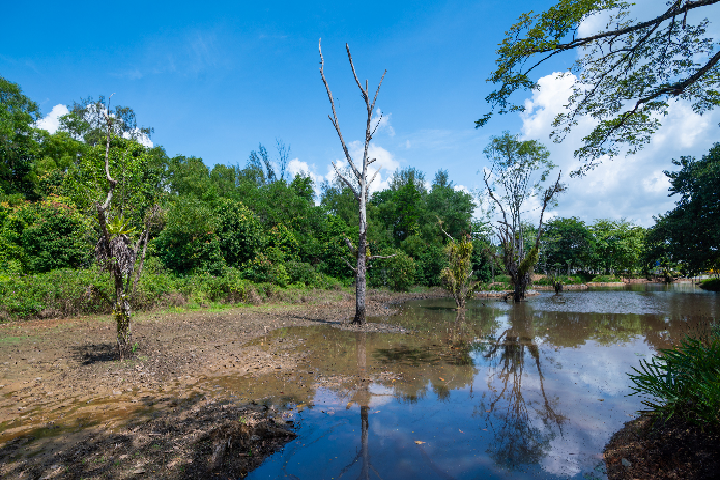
(397, 273)
(683, 381)
(711, 284)
(58, 293)
(44, 236)
(606, 278)
(563, 279)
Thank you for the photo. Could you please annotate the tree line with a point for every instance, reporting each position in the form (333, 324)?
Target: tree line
(266, 225)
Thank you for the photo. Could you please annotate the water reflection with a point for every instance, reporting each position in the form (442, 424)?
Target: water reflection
(532, 390)
(517, 439)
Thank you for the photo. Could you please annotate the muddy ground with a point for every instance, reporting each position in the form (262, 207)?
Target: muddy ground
(70, 409)
(649, 448)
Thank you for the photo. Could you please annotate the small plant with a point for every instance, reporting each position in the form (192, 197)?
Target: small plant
(683, 381)
(134, 348)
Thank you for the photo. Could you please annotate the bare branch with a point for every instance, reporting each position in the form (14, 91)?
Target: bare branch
(348, 264)
(367, 186)
(363, 90)
(334, 118)
(547, 198)
(352, 248)
(378, 90)
(443, 230)
(345, 180)
(377, 257)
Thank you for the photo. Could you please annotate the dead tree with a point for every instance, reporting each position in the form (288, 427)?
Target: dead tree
(359, 185)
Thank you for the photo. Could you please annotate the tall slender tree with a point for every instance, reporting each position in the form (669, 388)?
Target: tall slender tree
(357, 181)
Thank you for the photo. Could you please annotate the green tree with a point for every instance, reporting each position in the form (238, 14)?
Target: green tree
(518, 171)
(689, 235)
(18, 144)
(454, 207)
(619, 245)
(627, 73)
(567, 242)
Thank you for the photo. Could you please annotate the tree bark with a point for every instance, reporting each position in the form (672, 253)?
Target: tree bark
(361, 281)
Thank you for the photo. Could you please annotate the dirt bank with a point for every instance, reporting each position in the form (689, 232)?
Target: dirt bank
(647, 450)
(68, 409)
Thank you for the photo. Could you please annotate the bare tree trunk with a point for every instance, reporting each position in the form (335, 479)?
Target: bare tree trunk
(361, 281)
(359, 185)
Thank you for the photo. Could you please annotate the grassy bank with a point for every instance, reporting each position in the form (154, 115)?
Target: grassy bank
(70, 292)
(711, 284)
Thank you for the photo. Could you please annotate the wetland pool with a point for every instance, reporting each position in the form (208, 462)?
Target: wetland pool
(533, 390)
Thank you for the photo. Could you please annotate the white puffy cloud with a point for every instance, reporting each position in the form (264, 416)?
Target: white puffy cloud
(384, 160)
(51, 124)
(295, 166)
(140, 137)
(51, 121)
(632, 186)
(384, 122)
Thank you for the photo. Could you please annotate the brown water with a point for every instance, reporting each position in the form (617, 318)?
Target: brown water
(533, 390)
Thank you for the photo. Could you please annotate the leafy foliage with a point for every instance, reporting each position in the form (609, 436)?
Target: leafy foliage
(689, 235)
(627, 72)
(683, 381)
(457, 275)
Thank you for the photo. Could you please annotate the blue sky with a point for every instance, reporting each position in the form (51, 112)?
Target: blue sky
(216, 79)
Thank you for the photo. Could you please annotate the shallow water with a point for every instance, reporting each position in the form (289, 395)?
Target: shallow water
(533, 390)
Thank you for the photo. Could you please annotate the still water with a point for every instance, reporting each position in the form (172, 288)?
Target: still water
(533, 390)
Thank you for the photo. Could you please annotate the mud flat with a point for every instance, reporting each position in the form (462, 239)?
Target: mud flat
(69, 409)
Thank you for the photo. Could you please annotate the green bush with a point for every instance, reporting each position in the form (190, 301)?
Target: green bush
(397, 273)
(58, 293)
(44, 236)
(564, 279)
(606, 278)
(711, 284)
(683, 381)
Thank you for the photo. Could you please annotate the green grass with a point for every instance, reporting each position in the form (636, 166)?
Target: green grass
(683, 381)
(564, 279)
(711, 284)
(67, 292)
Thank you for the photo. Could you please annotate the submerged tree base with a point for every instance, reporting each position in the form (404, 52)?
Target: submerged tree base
(648, 448)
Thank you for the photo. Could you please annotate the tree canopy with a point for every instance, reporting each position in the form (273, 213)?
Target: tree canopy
(689, 235)
(627, 72)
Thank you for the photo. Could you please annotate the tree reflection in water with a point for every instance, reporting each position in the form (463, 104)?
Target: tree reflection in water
(362, 396)
(523, 427)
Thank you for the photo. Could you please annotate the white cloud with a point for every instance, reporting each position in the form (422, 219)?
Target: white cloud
(384, 122)
(140, 137)
(51, 122)
(384, 161)
(295, 166)
(632, 186)
(462, 188)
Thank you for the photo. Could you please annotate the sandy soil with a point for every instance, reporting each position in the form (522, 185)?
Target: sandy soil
(69, 409)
